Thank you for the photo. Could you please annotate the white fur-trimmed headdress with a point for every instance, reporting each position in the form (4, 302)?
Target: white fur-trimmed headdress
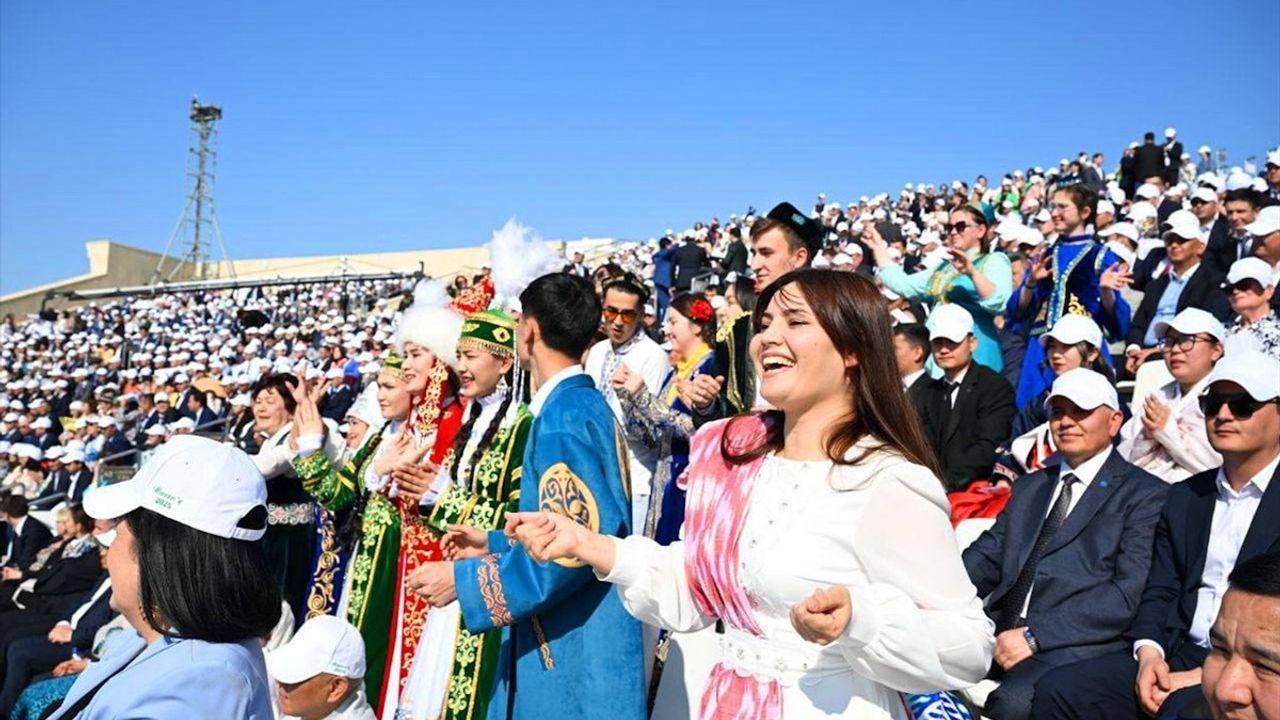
(430, 322)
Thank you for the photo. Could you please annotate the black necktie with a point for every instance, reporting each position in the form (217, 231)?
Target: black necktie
(1011, 609)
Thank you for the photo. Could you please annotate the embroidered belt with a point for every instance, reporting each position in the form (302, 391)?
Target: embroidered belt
(783, 661)
(291, 514)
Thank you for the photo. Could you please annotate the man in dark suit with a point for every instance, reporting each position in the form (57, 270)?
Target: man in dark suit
(69, 482)
(1188, 282)
(1062, 568)
(27, 536)
(28, 657)
(911, 350)
(735, 255)
(337, 398)
(1209, 523)
(1148, 160)
(198, 410)
(969, 411)
(1094, 176)
(1172, 156)
(687, 261)
(1214, 230)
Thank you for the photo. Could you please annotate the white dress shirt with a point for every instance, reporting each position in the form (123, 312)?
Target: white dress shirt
(909, 380)
(1232, 515)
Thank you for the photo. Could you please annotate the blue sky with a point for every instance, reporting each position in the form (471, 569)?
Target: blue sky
(352, 127)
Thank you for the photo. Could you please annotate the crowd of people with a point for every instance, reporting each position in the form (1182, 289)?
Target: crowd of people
(999, 449)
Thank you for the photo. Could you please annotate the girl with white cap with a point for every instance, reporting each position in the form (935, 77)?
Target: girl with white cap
(188, 573)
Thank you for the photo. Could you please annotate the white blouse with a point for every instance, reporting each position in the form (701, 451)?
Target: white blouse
(882, 529)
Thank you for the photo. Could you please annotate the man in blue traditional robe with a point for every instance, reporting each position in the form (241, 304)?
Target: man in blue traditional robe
(569, 649)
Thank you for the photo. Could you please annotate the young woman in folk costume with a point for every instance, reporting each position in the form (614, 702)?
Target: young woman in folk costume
(663, 420)
(817, 532)
(427, 337)
(374, 520)
(453, 673)
(334, 485)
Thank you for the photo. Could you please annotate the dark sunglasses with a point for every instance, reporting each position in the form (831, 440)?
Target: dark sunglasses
(613, 313)
(1177, 240)
(959, 227)
(1246, 285)
(1242, 405)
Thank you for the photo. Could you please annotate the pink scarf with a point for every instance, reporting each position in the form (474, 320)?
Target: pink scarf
(715, 508)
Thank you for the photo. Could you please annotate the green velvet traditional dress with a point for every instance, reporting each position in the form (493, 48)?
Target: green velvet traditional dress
(373, 567)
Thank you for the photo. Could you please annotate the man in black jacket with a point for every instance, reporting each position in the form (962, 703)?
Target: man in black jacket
(1172, 155)
(1214, 230)
(1209, 523)
(969, 411)
(735, 256)
(687, 261)
(1240, 207)
(1148, 159)
(27, 536)
(911, 350)
(1187, 283)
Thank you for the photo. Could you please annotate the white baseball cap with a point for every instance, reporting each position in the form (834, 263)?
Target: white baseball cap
(1170, 132)
(1121, 228)
(1085, 388)
(1205, 194)
(1106, 206)
(324, 644)
(203, 484)
(1250, 268)
(1257, 372)
(950, 321)
(156, 430)
(1183, 224)
(1071, 329)
(1267, 222)
(1147, 191)
(1192, 321)
(73, 455)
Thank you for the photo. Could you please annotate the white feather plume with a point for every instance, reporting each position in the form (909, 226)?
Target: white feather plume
(517, 257)
(430, 293)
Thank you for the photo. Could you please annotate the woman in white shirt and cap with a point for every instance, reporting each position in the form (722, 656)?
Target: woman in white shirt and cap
(188, 573)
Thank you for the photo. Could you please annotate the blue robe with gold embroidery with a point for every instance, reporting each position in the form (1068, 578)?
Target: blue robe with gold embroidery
(1078, 264)
(569, 649)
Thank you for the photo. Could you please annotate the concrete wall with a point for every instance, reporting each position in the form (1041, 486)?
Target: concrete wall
(111, 265)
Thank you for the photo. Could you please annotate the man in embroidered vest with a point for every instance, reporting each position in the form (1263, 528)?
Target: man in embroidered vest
(783, 241)
(569, 649)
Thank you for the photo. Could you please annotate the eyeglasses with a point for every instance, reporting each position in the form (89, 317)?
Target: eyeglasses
(613, 313)
(1242, 405)
(959, 227)
(1182, 342)
(1247, 285)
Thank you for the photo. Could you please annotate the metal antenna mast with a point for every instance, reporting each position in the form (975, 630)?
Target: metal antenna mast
(198, 212)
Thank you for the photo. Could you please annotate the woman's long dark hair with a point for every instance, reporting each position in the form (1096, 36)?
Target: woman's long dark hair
(197, 585)
(851, 311)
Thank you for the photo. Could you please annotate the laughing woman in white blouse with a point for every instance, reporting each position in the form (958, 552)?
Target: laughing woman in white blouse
(818, 533)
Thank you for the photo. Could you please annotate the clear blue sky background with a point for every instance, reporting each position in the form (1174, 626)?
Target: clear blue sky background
(352, 127)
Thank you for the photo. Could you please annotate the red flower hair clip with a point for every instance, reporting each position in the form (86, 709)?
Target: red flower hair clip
(700, 311)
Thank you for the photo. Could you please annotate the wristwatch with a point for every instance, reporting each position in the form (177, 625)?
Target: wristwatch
(1031, 640)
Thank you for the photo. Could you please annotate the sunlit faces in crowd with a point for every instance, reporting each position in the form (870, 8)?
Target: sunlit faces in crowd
(622, 314)
(791, 349)
(480, 372)
(1081, 433)
(418, 362)
(1241, 675)
(1236, 422)
(394, 397)
(773, 255)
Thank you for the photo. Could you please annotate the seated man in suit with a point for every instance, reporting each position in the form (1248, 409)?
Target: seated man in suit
(1186, 283)
(1062, 568)
(198, 406)
(968, 412)
(338, 398)
(911, 349)
(27, 536)
(72, 636)
(1210, 522)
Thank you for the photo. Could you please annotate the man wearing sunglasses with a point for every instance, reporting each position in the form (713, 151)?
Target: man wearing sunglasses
(1250, 287)
(1166, 436)
(627, 347)
(1210, 523)
(1185, 283)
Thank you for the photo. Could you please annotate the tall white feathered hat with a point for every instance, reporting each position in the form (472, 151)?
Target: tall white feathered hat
(431, 322)
(517, 257)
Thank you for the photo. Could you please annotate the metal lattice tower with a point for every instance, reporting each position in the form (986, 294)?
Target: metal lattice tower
(198, 213)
